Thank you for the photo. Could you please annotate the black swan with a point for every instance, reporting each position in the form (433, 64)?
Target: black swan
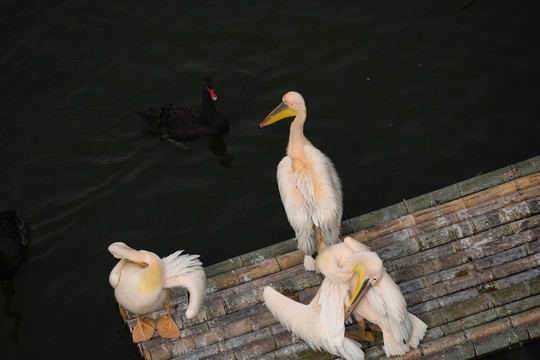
(184, 122)
(13, 243)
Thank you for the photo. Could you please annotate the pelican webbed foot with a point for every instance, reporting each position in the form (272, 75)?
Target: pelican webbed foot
(374, 327)
(360, 334)
(144, 330)
(166, 327)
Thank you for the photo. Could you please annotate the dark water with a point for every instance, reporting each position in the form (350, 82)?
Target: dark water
(405, 97)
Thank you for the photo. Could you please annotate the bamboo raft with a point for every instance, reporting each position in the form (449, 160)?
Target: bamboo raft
(466, 258)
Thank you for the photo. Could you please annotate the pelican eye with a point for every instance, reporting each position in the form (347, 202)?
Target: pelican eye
(285, 102)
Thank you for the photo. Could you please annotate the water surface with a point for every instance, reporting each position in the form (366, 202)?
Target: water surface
(405, 98)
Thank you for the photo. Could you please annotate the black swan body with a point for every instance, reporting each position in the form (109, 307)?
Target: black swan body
(184, 122)
(13, 243)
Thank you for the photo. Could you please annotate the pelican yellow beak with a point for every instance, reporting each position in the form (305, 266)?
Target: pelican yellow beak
(282, 111)
(362, 286)
(139, 263)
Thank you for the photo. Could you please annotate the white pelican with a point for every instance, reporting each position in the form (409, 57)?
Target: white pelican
(141, 282)
(371, 295)
(308, 183)
(376, 297)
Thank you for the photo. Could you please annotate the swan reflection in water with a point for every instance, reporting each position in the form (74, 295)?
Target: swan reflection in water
(218, 147)
(9, 293)
(215, 144)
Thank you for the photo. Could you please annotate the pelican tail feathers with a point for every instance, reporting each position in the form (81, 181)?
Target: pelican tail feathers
(186, 271)
(177, 264)
(418, 331)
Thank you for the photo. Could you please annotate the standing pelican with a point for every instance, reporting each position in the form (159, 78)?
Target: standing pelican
(141, 282)
(308, 183)
(376, 297)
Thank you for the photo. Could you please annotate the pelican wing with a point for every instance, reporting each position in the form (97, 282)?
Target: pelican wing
(186, 271)
(333, 296)
(320, 323)
(327, 197)
(294, 202)
(391, 306)
(376, 301)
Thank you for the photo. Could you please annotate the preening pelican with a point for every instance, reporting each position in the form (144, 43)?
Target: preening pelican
(355, 282)
(376, 297)
(141, 282)
(308, 183)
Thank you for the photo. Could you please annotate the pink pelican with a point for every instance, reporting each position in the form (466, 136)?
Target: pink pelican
(355, 283)
(142, 283)
(376, 297)
(308, 183)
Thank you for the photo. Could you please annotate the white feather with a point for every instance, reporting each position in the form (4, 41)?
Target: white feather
(383, 303)
(328, 207)
(320, 323)
(177, 264)
(186, 271)
(295, 206)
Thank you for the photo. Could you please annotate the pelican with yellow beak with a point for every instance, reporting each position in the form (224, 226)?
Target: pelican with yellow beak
(308, 183)
(375, 298)
(355, 283)
(142, 283)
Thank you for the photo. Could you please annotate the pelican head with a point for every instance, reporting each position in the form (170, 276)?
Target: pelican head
(140, 257)
(137, 279)
(340, 262)
(292, 103)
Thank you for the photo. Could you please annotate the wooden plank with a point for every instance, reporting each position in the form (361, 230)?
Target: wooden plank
(390, 227)
(291, 259)
(483, 196)
(486, 181)
(256, 271)
(527, 167)
(378, 217)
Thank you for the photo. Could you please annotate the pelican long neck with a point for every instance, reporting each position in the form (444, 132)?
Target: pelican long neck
(297, 139)
(338, 264)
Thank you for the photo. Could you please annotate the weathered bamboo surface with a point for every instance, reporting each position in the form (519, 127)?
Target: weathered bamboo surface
(466, 258)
